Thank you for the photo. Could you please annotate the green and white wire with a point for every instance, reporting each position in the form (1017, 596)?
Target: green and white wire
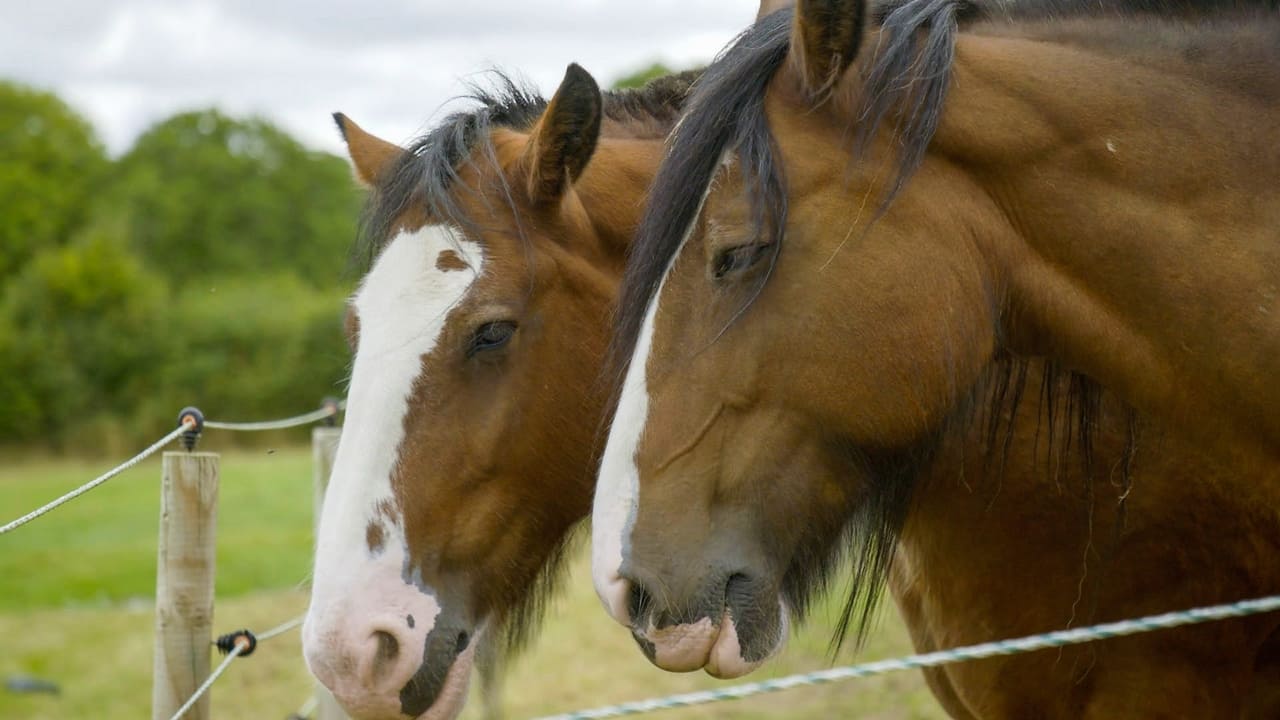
(308, 708)
(281, 628)
(304, 419)
(157, 445)
(295, 421)
(942, 657)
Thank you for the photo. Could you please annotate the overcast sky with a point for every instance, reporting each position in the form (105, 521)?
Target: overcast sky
(389, 64)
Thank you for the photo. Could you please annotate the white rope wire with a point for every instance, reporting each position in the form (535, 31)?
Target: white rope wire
(1029, 643)
(236, 650)
(208, 682)
(308, 707)
(157, 445)
(295, 421)
(304, 419)
(281, 628)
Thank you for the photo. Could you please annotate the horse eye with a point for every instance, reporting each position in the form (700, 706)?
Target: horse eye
(738, 258)
(491, 336)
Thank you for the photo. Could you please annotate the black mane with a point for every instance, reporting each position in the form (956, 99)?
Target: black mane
(429, 169)
(905, 85)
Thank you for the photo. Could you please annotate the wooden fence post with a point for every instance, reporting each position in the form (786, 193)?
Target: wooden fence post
(184, 582)
(324, 446)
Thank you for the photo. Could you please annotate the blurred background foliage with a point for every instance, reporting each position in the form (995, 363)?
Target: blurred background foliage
(207, 265)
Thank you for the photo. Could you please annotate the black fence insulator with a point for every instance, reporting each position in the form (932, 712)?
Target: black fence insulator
(227, 643)
(190, 437)
(330, 404)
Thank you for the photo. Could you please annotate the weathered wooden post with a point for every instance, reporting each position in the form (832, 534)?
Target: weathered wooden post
(324, 446)
(184, 577)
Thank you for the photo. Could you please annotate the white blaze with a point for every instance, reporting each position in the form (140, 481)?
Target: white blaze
(403, 304)
(617, 495)
(614, 507)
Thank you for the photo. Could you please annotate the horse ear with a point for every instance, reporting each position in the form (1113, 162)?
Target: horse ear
(564, 138)
(825, 38)
(371, 155)
(769, 7)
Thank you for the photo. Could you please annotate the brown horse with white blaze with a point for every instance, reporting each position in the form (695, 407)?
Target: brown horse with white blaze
(473, 410)
(805, 336)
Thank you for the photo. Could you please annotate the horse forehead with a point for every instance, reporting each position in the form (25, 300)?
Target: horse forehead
(495, 166)
(417, 279)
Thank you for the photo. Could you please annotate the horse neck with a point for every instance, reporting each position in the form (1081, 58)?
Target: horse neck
(1135, 222)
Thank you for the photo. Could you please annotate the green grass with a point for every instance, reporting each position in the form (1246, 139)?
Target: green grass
(61, 580)
(101, 548)
(101, 659)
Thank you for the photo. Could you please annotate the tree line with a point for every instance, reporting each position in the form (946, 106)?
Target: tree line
(207, 265)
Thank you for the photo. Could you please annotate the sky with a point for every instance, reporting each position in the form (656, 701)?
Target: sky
(391, 65)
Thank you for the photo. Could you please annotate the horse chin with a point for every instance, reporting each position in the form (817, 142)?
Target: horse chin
(679, 648)
(728, 660)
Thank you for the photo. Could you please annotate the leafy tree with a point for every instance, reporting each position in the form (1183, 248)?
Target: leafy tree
(253, 348)
(205, 266)
(80, 334)
(642, 76)
(51, 164)
(203, 196)
(93, 344)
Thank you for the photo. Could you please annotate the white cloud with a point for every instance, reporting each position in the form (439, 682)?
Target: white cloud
(390, 65)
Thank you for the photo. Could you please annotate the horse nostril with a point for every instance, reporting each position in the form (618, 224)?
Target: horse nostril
(387, 652)
(463, 640)
(639, 602)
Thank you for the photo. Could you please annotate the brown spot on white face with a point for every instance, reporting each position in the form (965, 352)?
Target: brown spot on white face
(374, 537)
(386, 510)
(449, 260)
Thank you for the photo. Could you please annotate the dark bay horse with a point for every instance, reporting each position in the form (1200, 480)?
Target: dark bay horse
(1090, 188)
(474, 406)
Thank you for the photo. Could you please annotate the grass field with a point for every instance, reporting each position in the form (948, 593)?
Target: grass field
(101, 548)
(75, 609)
